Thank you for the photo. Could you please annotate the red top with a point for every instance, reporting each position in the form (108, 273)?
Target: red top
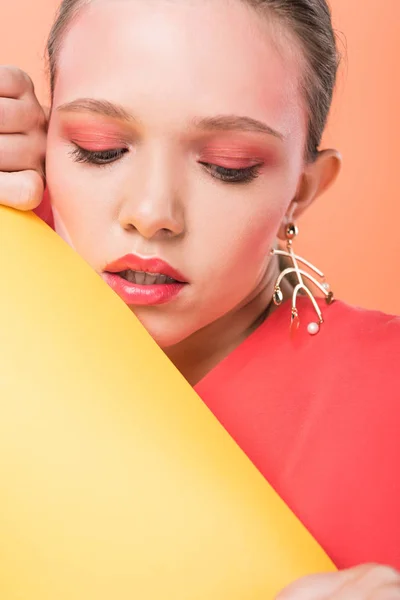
(320, 418)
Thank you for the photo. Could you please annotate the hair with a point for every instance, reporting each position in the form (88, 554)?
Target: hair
(309, 20)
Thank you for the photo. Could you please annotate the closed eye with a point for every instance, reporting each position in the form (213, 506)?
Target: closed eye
(97, 157)
(104, 157)
(244, 175)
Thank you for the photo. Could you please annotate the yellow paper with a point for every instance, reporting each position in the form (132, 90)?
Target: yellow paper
(116, 481)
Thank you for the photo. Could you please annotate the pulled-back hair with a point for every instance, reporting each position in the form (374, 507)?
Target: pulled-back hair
(309, 20)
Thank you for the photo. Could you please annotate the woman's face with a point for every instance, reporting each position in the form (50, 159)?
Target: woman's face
(177, 133)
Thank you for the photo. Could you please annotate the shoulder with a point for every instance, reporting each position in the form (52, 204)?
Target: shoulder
(348, 331)
(354, 359)
(353, 365)
(360, 345)
(365, 323)
(364, 339)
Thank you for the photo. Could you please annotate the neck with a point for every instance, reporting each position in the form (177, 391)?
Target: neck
(201, 352)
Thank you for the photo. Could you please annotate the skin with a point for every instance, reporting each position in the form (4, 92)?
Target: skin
(169, 64)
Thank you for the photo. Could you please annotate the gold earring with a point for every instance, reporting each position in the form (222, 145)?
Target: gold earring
(313, 328)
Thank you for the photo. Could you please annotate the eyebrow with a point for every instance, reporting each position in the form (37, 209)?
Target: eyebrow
(235, 123)
(216, 123)
(100, 107)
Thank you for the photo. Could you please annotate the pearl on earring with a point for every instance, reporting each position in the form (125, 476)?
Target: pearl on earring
(313, 328)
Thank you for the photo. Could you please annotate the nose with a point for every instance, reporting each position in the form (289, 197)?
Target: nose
(152, 204)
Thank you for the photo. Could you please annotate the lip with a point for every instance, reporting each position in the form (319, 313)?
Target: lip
(148, 265)
(134, 294)
(142, 295)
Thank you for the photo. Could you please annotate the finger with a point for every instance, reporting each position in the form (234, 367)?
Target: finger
(19, 116)
(358, 592)
(23, 190)
(388, 592)
(371, 575)
(19, 152)
(312, 587)
(372, 582)
(14, 83)
(341, 585)
(319, 586)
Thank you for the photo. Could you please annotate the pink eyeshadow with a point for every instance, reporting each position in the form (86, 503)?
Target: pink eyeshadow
(236, 157)
(99, 136)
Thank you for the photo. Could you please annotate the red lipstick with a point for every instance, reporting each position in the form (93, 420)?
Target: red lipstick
(121, 276)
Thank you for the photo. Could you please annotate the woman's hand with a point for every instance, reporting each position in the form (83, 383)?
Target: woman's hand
(22, 141)
(366, 582)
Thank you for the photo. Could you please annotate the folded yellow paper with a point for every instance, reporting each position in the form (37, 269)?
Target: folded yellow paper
(116, 482)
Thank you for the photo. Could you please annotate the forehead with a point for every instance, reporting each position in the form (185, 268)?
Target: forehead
(176, 58)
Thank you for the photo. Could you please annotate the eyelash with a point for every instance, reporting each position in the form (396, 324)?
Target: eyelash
(106, 157)
(244, 175)
(99, 157)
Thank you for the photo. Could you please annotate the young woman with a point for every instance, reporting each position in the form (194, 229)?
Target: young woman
(183, 142)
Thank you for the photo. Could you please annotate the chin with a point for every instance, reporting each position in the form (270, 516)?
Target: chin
(166, 330)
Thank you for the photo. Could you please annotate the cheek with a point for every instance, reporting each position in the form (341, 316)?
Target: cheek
(78, 203)
(241, 253)
(236, 230)
(228, 255)
(78, 195)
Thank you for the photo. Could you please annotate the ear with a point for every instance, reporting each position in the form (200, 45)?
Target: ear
(316, 178)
